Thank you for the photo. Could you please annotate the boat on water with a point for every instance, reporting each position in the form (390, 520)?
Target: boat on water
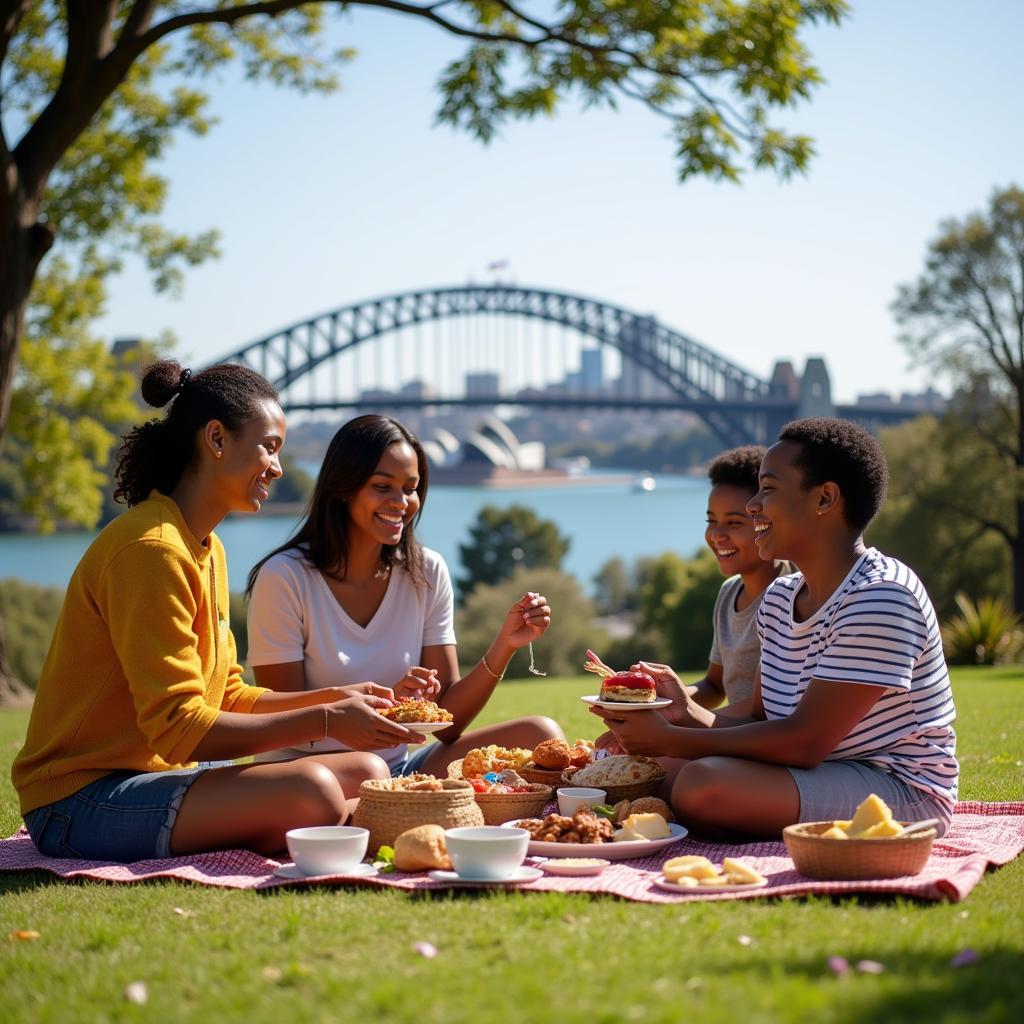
(644, 482)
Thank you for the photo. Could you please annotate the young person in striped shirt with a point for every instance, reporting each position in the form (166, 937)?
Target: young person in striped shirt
(853, 695)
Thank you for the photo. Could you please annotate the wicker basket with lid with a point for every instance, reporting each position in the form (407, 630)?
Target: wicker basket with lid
(387, 811)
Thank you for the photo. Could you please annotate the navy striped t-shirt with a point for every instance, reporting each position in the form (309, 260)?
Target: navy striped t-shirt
(878, 628)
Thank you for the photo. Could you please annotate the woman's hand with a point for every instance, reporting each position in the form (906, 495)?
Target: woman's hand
(355, 722)
(685, 711)
(364, 689)
(526, 620)
(418, 682)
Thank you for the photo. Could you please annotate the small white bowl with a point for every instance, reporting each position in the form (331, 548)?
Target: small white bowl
(486, 853)
(327, 849)
(572, 798)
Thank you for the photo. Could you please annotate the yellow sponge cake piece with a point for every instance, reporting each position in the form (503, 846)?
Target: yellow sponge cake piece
(835, 832)
(882, 830)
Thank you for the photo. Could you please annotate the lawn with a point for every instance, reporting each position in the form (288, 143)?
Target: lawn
(330, 954)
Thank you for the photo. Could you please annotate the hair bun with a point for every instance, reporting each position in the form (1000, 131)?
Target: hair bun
(162, 381)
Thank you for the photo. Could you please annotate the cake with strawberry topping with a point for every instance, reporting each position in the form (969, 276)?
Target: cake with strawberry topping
(629, 688)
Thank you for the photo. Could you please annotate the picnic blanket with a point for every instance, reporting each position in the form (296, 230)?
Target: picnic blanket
(982, 834)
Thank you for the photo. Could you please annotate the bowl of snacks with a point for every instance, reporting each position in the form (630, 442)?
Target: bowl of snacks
(621, 776)
(870, 845)
(388, 807)
(503, 794)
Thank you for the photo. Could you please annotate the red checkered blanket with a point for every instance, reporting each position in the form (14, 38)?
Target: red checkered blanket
(981, 835)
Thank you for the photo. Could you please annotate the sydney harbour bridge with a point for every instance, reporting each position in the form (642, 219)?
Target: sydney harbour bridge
(501, 345)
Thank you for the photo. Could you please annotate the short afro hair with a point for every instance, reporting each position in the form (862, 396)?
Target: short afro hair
(845, 453)
(738, 467)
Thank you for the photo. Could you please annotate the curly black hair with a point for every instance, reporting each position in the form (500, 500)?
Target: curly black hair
(738, 467)
(845, 453)
(154, 455)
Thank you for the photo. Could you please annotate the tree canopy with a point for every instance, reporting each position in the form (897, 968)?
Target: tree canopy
(965, 316)
(504, 540)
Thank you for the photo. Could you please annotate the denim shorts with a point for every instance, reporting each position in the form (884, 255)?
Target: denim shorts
(124, 816)
(413, 762)
(834, 788)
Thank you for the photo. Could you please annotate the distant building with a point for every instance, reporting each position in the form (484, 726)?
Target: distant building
(592, 371)
(482, 385)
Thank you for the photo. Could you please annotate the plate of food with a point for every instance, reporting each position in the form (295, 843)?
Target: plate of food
(622, 691)
(419, 714)
(618, 705)
(587, 834)
(426, 727)
(697, 875)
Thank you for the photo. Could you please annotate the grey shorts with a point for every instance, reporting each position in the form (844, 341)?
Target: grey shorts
(834, 788)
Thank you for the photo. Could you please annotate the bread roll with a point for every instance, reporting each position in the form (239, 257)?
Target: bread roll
(422, 849)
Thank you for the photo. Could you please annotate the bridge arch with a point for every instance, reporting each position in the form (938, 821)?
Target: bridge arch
(737, 405)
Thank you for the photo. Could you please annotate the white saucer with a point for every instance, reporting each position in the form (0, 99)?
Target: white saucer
(618, 705)
(359, 871)
(426, 727)
(520, 875)
(661, 882)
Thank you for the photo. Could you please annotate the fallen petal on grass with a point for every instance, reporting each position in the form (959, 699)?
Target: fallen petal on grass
(870, 967)
(839, 965)
(425, 949)
(964, 958)
(137, 992)
(23, 935)
(272, 973)
(181, 912)
(744, 940)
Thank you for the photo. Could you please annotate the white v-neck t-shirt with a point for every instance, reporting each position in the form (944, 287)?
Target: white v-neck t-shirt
(294, 616)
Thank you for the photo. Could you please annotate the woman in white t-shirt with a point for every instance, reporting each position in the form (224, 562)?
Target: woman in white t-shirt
(353, 597)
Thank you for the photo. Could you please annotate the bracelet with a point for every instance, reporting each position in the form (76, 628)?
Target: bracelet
(497, 676)
(311, 742)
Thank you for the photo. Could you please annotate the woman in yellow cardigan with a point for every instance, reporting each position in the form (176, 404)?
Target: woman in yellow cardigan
(141, 680)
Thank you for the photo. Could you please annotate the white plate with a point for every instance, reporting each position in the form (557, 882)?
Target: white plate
(359, 871)
(520, 875)
(618, 705)
(426, 727)
(661, 882)
(609, 851)
(560, 867)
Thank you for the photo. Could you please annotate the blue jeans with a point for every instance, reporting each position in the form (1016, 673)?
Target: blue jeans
(124, 816)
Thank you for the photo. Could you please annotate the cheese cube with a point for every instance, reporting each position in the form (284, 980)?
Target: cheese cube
(647, 826)
(882, 830)
(834, 833)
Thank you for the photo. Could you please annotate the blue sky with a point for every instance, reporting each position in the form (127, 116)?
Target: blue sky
(323, 201)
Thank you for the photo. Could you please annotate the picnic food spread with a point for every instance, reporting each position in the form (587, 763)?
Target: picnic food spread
(622, 687)
(507, 781)
(417, 709)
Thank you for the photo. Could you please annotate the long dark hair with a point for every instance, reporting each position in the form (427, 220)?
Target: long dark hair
(352, 456)
(157, 453)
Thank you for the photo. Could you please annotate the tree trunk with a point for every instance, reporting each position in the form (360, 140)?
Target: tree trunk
(23, 243)
(1017, 554)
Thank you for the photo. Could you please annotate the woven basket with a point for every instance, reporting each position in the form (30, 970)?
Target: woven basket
(843, 859)
(545, 776)
(497, 808)
(630, 791)
(388, 813)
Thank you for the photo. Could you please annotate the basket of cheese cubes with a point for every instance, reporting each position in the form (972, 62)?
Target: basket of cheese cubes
(870, 845)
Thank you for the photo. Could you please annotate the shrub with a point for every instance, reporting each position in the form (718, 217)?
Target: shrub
(983, 633)
(562, 649)
(29, 615)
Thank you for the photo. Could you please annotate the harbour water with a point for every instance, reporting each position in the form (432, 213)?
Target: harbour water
(602, 520)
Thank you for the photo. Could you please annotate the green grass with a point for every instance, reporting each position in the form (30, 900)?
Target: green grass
(330, 954)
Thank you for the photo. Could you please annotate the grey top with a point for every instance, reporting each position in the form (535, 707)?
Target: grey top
(735, 646)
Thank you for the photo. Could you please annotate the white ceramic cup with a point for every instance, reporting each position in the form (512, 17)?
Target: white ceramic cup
(572, 798)
(486, 852)
(327, 849)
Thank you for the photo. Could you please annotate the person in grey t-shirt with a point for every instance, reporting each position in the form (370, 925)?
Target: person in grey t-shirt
(735, 651)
